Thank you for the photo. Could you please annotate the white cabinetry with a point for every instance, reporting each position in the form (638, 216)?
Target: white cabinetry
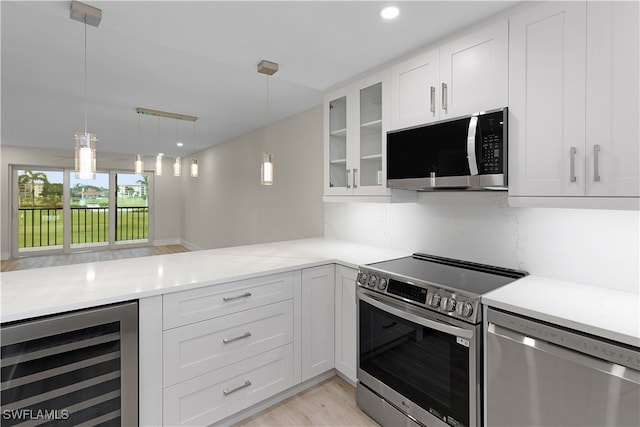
(345, 318)
(573, 104)
(356, 122)
(317, 320)
(226, 347)
(461, 77)
(613, 88)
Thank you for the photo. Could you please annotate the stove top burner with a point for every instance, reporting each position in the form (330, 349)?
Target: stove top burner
(468, 277)
(448, 286)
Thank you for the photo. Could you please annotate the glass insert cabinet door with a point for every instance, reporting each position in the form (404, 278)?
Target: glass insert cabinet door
(356, 122)
(339, 175)
(372, 137)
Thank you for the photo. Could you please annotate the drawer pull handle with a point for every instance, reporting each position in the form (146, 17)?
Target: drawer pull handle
(245, 295)
(228, 340)
(228, 391)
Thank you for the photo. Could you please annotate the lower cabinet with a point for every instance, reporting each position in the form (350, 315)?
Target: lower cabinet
(217, 394)
(210, 353)
(345, 321)
(317, 320)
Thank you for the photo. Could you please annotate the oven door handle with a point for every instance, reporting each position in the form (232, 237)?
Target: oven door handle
(390, 307)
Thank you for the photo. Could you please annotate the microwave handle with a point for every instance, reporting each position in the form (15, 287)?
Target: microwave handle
(471, 146)
(438, 326)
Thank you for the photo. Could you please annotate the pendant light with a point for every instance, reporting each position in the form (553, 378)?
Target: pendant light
(85, 142)
(194, 160)
(138, 164)
(160, 154)
(177, 163)
(266, 170)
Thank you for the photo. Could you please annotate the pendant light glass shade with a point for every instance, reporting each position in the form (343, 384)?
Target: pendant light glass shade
(159, 164)
(194, 161)
(194, 168)
(177, 167)
(85, 155)
(138, 165)
(266, 173)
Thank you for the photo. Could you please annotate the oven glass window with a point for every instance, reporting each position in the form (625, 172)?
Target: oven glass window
(428, 367)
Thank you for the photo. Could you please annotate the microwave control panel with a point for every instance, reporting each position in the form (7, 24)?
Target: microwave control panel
(491, 160)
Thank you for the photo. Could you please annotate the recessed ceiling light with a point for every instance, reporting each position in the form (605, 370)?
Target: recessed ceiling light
(390, 12)
(179, 144)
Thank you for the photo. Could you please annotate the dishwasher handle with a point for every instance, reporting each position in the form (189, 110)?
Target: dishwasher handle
(573, 356)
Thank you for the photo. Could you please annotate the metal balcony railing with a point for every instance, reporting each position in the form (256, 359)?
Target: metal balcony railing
(41, 227)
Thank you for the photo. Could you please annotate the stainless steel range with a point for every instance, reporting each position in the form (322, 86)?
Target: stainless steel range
(420, 339)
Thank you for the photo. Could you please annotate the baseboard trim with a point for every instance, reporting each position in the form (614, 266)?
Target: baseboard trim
(165, 242)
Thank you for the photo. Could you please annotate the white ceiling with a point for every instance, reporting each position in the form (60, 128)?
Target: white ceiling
(197, 58)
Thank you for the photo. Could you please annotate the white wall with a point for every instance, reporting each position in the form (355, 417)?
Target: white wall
(227, 206)
(594, 247)
(166, 188)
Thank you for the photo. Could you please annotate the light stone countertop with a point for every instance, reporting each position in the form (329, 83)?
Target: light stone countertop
(36, 292)
(44, 291)
(598, 311)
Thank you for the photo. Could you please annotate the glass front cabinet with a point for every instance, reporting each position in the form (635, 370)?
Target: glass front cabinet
(356, 122)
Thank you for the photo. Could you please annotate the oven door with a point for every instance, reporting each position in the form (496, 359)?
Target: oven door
(424, 364)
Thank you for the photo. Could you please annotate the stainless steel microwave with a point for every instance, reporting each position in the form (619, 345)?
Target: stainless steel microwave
(468, 153)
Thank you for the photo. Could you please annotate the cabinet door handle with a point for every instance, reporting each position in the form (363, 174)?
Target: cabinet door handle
(355, 181)
(348, 178)
(245, 295)
(433, 99)
(228, 391)
(445, 106)
(572, 164)
(245, 335)
(596, 162)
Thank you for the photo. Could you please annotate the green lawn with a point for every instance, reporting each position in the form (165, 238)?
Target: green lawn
(44, 227)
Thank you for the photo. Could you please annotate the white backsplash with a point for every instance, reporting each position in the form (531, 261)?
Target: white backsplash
(594, 247)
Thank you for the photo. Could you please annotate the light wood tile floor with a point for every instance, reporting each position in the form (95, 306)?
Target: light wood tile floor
(82, 257)
(330, 403)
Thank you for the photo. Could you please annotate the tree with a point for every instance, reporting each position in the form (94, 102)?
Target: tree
(29, 178)
(144, 182)
(52, 193)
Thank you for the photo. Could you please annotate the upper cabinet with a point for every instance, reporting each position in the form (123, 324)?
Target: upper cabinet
(356, 124)
(573, 104)
(464, 76)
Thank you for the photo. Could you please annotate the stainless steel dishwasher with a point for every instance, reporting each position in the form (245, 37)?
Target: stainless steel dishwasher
(539, 374)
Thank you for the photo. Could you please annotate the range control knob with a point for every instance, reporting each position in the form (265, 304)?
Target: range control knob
(434, 300)
(372, 281)
(362, 279)
(464, 309)
(382, 283)
(448, 304)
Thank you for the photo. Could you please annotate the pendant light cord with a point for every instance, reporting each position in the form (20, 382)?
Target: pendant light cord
(267, 131)
(85, 75)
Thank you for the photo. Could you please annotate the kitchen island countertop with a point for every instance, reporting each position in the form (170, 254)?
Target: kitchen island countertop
(43, 291)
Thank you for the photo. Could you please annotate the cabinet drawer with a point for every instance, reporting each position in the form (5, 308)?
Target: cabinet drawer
(208, 398)
(195, 349)
(183, 308)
